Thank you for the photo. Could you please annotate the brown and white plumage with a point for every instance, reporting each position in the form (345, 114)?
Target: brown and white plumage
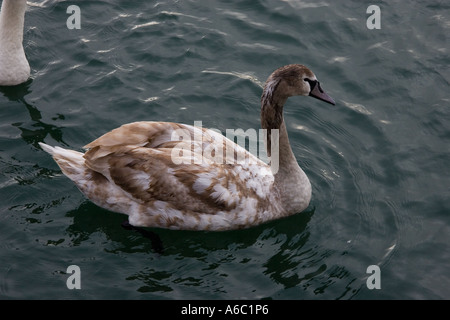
(138, 170)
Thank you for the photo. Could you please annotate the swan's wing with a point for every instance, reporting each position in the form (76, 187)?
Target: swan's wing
(144, 133)
(143, 160)
(148, 175)
(207, 144)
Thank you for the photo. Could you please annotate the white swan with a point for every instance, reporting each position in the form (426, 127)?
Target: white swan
(14, 67)
(137, 170)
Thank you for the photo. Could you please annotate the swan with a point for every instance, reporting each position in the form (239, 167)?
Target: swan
(14, 67)
(137, 169)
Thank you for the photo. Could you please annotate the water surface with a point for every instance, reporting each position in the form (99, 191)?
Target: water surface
(378, 160)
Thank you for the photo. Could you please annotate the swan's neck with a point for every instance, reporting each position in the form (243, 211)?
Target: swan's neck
(14, 67)
(12, 16)
(277, 143)
(290, 179)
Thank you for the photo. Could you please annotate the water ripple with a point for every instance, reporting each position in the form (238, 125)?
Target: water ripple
(377, 161)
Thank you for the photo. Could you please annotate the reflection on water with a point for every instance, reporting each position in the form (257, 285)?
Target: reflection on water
(277, 253)
(35, 130)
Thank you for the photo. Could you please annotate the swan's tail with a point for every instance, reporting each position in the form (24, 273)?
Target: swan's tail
(71, 162)
(92, 184)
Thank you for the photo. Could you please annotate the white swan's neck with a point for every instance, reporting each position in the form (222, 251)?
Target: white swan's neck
(14, 67)
(12, 17)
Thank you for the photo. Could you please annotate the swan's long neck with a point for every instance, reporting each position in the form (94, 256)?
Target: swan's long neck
(289, 177)
(12, 16)
(272, 120)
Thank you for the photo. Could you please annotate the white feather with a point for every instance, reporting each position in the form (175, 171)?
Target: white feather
(14, 67)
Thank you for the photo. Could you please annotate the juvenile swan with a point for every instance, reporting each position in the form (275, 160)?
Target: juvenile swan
(14, 67)
(139, 170)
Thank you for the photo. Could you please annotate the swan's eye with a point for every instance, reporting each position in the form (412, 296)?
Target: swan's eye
(312, 83)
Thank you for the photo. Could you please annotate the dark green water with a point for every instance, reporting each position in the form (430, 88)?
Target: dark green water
(378, 161)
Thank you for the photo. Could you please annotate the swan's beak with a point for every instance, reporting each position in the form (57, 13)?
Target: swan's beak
(318, 93)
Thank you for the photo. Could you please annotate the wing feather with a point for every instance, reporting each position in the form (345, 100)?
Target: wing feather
(140, 159)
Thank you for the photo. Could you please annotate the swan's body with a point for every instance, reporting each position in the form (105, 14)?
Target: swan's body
(14, 67)
(137, 169)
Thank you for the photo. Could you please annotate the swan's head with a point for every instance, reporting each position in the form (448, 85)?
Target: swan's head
(295, 80)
